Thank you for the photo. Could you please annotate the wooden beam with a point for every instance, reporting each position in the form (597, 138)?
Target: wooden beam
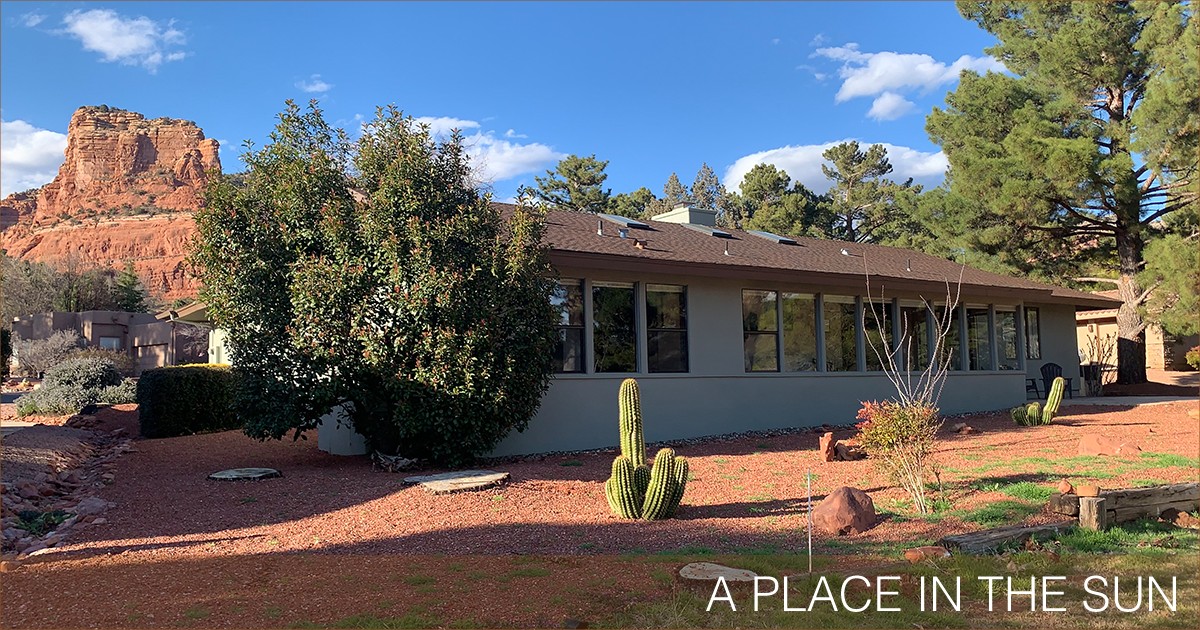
(988, 540)
(1093, 513)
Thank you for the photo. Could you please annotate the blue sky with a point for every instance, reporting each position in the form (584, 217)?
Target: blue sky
(654, 88)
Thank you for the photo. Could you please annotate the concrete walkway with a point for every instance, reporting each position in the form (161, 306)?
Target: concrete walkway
(8, 427)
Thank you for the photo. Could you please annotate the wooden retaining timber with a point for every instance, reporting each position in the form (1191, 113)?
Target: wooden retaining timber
(989, 540)
(1129, 504)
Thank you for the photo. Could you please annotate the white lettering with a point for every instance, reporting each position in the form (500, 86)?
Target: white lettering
(845, 583)
(991, 580)
(879, 592)
(758, 592)
(727, 598)
(1046, 593)
(1087, 586)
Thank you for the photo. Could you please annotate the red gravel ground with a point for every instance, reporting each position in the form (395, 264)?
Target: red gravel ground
(334, 538)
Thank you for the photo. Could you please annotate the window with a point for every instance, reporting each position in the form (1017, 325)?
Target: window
(979, 347)
(1033, 333)
(760, 330)
(841, 341)
(614, 327)
(914, 327)
(1006, 337)
(799, 332)
(666, 328)
(568, 352)
(877, 333)
(952, 344)
(110, 343)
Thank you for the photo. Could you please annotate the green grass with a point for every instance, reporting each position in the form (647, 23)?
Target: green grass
(999, 513)
(529, 572)
(418, 580)
(410, 620)
(1028, 491)
(195, 613)
(1144, 536)
(1167, 460)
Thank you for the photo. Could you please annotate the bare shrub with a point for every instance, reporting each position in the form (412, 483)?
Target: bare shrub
(35, 356)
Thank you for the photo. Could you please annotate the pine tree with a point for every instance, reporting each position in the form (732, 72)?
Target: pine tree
(576, 184)
(128, 291)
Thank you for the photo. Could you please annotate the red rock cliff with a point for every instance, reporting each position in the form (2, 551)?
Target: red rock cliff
(125, 192)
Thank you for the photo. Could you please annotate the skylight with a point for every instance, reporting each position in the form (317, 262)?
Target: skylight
(624, 221)
(711, 231)
(771, 236)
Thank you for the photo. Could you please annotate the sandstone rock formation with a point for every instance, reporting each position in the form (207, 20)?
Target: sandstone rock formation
(125, 192)
(845, 511)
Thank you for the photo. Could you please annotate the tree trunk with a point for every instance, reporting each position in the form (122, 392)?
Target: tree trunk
(1131, 329)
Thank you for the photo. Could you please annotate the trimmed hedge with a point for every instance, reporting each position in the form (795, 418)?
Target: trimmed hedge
(186, 399)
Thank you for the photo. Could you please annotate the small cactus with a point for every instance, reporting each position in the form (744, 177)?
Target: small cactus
(1027, 415)
(1053, 400)
(636, 490)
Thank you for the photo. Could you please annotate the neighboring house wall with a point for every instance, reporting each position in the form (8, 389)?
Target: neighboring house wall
(1163, 351)
(140, 335)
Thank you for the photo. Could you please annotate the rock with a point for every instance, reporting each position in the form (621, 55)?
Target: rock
(34, 547)
(1194, 413)
(27, 490)
(827, 446)
(244, 474)
(919, 554)
(1092, 444)
(1065, 487)
(463, 480)
(710, 572)
(116, 163)
(958, 427)
(90, 505)
(845, 453)
(1179, 518)
(1128, 449)
(100, 521)
(968, 430)
(845, 511)
(9, 566)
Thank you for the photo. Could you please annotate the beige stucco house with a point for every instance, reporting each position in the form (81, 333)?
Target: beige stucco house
(731, 331)
(1095, 328)
(151, 340)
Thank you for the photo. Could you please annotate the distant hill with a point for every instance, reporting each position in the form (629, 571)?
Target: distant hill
(126, 191)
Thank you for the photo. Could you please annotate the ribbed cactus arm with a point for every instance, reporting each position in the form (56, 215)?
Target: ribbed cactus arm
(633, 441)
(619, 489)
(661, 489)
(1053, 400)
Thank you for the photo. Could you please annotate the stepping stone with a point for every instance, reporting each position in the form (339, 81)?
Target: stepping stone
(709, 572)
(445, 483)
(245, 474)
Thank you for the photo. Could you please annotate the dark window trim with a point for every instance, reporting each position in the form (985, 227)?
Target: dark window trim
(687, 365)
(1033, 351)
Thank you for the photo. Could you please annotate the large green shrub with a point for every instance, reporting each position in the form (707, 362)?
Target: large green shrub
(75, 384)
(375, 272)
(187, 399)
(1193, 358)
(123, 362)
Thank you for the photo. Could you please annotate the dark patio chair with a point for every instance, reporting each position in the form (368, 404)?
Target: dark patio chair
(1051, 371)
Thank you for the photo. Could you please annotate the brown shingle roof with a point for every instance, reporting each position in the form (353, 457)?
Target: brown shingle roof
(674, 247)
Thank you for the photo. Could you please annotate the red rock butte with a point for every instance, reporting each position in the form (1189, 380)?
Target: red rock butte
(126, 191)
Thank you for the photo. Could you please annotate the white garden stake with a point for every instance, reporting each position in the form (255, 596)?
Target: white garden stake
(809, 510)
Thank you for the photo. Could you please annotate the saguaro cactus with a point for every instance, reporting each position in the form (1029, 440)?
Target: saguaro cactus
(1053, 400)
(635, 490)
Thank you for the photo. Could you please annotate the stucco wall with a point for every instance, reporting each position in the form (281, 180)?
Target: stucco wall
(717, 395)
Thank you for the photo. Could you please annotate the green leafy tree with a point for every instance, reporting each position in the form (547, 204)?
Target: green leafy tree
(576, 183)
(128, 292)
(634, 205)
(864, 206)
(1088, 144)
(770, 201)
(1173, 272)
(373, 273)
(709, 193)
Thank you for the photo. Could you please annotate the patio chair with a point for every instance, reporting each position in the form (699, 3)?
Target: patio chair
(1051, 371)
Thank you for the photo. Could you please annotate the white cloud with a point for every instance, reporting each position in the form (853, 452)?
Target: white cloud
(872, 74)
(818, 40)
(136, 41)
(889, 106)
(803, 164)
(443, 125)
(314, 85)
(29, 156)
(31, 19)
(494, 158)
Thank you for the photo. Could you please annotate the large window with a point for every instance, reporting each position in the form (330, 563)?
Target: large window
(979, 347)
(951, 346)
(914, 329)
(614, 327)
(666, 328)
(1033, 333)
(110, 343)
(760, 330)
(841, 339)
(568, 352)
(877, 333)
(799, 332)
(1006, 337)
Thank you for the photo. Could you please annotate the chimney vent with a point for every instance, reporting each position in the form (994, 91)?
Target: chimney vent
(687, 213)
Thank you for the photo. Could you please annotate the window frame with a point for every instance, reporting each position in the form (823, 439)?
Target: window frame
(581, 327)
(760, 332)
(1030, 353)
(634, 288)
(118, 348)
(683, 332)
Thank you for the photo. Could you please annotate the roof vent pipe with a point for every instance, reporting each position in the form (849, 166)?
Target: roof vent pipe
(600, 227)
(726, 248)
(624, 232)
